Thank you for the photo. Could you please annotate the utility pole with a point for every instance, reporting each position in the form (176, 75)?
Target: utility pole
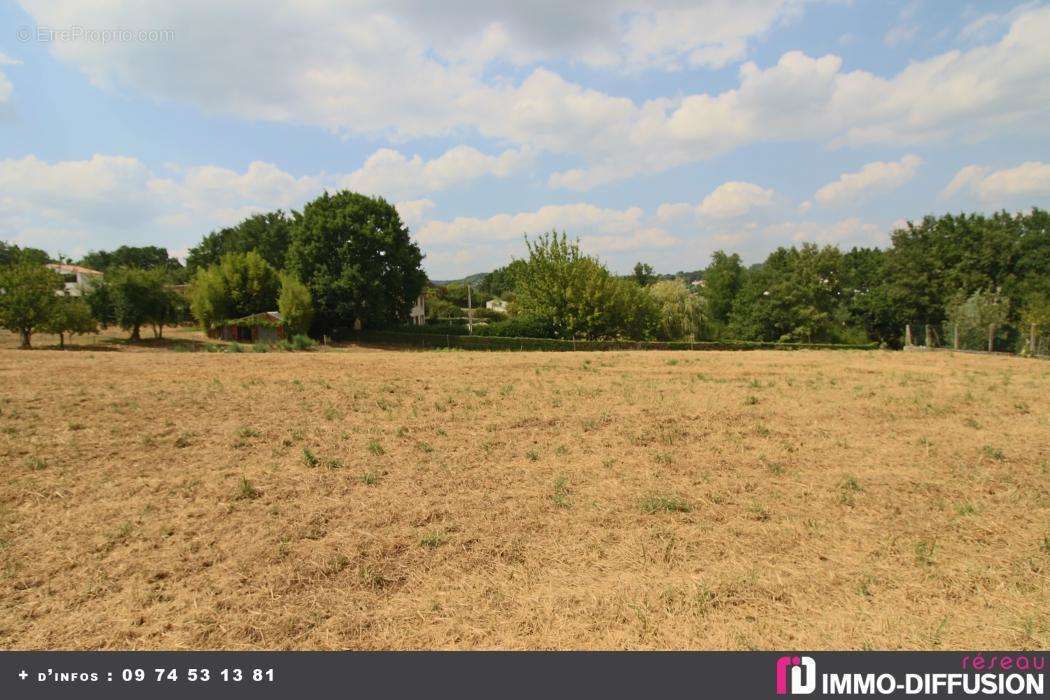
(470, 312)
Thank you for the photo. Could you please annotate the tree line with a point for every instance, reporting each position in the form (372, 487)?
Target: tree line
(347, 260)
(970, 269)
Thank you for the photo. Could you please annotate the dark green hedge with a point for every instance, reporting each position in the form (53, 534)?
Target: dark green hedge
(475, 342)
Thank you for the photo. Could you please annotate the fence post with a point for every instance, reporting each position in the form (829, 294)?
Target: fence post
(907, 335)
(955, 335)
(929, 344)
(991, 337)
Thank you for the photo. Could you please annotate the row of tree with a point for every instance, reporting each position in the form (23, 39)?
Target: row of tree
(973, 270)
(348, 260)
(345, 260)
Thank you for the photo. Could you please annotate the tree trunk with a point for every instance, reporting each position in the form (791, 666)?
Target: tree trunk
(61, 341)
(135, 335)
(25, 335)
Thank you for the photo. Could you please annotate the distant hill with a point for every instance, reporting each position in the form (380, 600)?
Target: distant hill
(469, 279)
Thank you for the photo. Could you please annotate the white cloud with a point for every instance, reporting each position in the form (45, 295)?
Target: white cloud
(873, 178)
(390, 174)
(431, 83)
(851, 231)
(727, 201)
(413, 211)
(1031, 179)
(735, 199)
(653, 238)
(576, 219)
(116, 199)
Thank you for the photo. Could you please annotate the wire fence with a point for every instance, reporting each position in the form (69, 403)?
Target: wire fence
(993, 338)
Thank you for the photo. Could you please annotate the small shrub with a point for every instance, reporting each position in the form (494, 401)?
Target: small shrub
(924, 553)
(758, 512)
(260, 347)
(375, 448)
(994, 453)
(561, 492)
(302, 342)
(750, 400)
(309, 458)
(370, 478)
(668, 504)
(532, 455)
(235, 347)
(433, 540)
(247, 491)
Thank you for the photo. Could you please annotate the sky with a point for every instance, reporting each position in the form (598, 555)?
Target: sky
(655, 131)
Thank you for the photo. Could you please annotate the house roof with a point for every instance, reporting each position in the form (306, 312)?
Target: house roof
(274, 316)
(71, 269)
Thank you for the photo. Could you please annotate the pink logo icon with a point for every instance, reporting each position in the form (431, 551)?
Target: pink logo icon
(803, 672)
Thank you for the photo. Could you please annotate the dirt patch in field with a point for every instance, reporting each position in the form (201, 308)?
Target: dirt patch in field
(378, 499)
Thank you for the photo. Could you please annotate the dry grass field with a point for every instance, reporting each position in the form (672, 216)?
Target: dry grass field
(371, 499)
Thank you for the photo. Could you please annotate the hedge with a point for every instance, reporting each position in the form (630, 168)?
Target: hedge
(476, 342)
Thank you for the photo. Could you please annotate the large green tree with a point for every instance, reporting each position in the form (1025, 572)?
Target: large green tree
(575, 296)
(28, 296)
(295, 304)
(502, 281)
(794, 296)
(241, 284)
(145, 257)
(142, 297)
(681, 311)
(722, 279)
(72, 316)
(11, 254)
(356, 257)
(269, 235)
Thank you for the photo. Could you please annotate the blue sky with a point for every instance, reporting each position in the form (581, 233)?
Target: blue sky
(656, 131)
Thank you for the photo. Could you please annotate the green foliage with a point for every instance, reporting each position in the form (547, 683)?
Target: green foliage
(667, 504)
(517, 327)
(298, 342)
(723, 279)
(357, 259)
(11, 254)
(99, 299)
(71, 315)
(144, 257)
(503, 281)
(240, 285)
(973, 315)
(295, 304)
(28, 299)
(141, 297)
(576, 296)
(266, 234)
(643, 274)
(794, 296)
(681, 312)
(438, 308)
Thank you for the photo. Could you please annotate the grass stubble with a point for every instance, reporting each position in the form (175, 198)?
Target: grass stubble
(370, 499)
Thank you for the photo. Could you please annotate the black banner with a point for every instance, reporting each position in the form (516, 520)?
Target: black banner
(465, 675)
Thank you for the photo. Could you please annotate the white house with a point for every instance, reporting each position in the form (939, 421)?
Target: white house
(497, 305)
(77, 279)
